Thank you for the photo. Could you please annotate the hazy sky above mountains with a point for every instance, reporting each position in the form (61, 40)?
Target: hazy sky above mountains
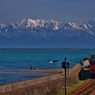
(60, 10)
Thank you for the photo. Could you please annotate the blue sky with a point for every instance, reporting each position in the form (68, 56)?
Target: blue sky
(60, 10)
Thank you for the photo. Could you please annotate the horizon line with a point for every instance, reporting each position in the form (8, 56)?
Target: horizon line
(47, 48)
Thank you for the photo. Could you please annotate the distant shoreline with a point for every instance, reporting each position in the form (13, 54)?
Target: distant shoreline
(49, 71)
(47, 48)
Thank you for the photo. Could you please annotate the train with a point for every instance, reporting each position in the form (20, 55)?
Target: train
(89, 62)
(92, 65)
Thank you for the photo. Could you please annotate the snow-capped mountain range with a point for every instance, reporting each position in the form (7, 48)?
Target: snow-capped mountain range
(47, 33)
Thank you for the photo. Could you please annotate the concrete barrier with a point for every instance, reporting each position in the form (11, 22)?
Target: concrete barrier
(40, 86)
(74, 69)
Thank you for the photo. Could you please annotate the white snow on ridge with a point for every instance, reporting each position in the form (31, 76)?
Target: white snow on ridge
(89, 25)
(56, 27)
(80, 26)
(85, 26)
(6, 30)
(2, 25)
(48, 24)
(31, 23)
(22, 21)
(41, 23)
(55, 24)
(91, 32)
(74, 25)
(35, 23)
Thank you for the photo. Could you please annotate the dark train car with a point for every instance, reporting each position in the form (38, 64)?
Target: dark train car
(92, 66)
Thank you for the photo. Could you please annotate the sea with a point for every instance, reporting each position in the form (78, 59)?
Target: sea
(41, 59)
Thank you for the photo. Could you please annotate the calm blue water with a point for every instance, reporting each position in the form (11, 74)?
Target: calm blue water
(11, 77)
(23, 59)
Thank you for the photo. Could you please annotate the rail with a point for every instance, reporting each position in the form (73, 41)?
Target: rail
(87, 89)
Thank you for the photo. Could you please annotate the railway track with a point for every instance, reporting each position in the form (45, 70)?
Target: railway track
(88, 89)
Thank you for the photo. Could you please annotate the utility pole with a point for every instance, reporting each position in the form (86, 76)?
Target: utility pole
(65, 65)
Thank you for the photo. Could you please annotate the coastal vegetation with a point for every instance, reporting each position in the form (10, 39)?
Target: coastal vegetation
(70, 88)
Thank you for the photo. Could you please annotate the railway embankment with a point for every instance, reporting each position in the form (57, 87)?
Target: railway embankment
(41, 86)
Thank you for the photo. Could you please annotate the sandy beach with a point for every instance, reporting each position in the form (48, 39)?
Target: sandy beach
(51, 71)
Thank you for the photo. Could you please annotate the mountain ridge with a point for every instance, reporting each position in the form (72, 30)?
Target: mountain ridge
(47, 33)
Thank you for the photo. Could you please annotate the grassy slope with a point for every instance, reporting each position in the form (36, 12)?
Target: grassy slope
(70, 88)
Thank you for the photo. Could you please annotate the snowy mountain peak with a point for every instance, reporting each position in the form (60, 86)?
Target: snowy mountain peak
(35, 23)
(43, 23)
